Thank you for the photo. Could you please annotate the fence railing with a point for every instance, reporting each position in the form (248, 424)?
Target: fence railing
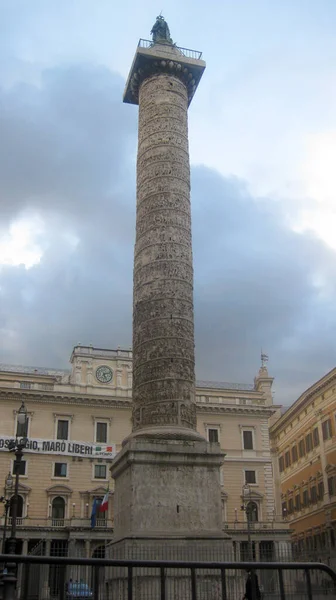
(256, 525)
(24, 522)
(187, 52)
(57, 522)
(19, 520)
(103, 579)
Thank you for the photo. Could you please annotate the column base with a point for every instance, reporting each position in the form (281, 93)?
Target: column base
(167, 487)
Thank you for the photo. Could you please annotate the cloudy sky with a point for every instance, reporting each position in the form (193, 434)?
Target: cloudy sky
(263, 147)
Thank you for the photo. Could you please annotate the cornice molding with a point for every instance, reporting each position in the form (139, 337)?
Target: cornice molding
(299, 404)
(66, 528)
(66, 398)
(69, 399)
(236, 409)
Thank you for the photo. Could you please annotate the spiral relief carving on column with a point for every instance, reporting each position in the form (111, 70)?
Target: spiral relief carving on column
(163, 322)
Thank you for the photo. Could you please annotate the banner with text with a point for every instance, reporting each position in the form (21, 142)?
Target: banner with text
(64, 447)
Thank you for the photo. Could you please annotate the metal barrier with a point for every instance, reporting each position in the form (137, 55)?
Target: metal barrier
(66, 578)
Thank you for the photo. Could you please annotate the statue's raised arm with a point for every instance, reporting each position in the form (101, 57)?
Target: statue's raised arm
(160, 31)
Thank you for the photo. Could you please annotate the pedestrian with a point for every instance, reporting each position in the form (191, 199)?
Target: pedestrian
(252, 585)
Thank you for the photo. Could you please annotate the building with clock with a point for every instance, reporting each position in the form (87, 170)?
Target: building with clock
(77, 420)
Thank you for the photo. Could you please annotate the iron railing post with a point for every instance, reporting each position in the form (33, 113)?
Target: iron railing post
(193, 584)
(309, 585)
(281, 585)
(25, 588)
(223, 581)
(163, 583)
(130, 583)
(96, 583)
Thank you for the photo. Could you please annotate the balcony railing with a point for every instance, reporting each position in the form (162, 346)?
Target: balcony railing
(19, 520)
(195, 54)
(101, 523)
(28, 522)
(256, 526)
(57, 522)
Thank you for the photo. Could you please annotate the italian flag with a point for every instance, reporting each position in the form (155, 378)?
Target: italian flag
(104, 505)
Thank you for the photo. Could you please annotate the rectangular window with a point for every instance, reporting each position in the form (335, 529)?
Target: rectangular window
(309, 442)
(47, 387)
(331, 486)
(294, 454)
(101, 433)
(100, 471)
(22, 429)
(301, 448)
(326, 429)
(290, 506)
(281, 464)
(60, 469)
(305, 498)
(250, 477)
(25, 385)
(316, 437)
(313, 494)
(245, 551)
(62, 429)
(248, 440)
(320, 490)
(287, 459)
(297, 502)
(284, 509)
(213, 435)
(22, 468)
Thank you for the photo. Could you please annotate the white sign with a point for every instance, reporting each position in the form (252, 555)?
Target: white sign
(62, 447)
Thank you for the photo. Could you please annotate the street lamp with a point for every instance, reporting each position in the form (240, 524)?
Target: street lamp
(247, 507)
(17, 447)
(6, 502)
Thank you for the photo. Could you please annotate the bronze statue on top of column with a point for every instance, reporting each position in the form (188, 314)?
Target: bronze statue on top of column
(160, 31)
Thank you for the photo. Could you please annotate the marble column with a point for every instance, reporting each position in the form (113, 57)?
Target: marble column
(163, 322)
(167, 476)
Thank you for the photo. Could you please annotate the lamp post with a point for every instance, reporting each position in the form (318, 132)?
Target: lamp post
(247, 507)
(17, 446)
(6, 502)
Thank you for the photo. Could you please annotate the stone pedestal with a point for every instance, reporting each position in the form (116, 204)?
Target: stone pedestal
(167, 487)
(167, 507)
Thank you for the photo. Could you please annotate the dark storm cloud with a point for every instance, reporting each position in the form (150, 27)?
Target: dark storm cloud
(259, 284)
(67, 152)
(56, 151)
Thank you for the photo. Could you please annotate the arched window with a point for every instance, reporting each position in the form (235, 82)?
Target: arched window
(252, 512)
(19, 512)
(58, 508)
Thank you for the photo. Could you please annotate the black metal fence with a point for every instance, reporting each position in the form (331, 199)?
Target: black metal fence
(67, 578)
(195, 54)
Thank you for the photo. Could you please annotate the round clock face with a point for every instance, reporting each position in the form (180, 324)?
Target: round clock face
(104, 374)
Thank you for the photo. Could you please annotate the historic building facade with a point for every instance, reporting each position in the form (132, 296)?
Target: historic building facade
(77, 420)
(304, 448)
